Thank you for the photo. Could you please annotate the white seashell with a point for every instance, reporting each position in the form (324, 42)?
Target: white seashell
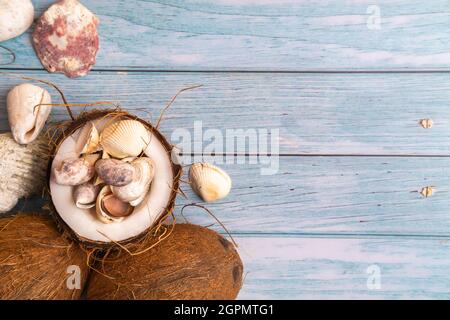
(111, 209)
(25, 119)
(125, 138)
(15, 18)
(85, 195)
(209, 182)
(99, 180)
(135, 192)
(88, 139)
(114, 172)
(75, 171)
(23, 169)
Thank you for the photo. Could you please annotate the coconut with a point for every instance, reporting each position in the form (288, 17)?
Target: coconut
(83, 224)
(36, 262)
(192, 263)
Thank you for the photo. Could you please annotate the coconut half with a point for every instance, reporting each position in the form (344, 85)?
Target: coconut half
(83, 224)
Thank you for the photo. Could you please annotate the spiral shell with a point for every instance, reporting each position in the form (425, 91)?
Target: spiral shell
(85, 195)
(25, 114)
(209, 182)
(135, 192)
(125, 138)
(111, 209)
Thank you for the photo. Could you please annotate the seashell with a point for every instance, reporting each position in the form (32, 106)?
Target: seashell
(75, 171)
(65, 38)
(23, 169)
(85, 195)
(99, 180)
(25, 119)
(111, 209)
(114, 172)
(135, 192)
(15, 18)
(125, 138)
(88, 140)
(209, 182)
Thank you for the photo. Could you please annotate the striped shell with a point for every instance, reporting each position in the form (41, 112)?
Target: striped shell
(209, 182)
(125, 138)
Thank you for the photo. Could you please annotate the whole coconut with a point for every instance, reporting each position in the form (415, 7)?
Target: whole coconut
(193, 263)
(36, 262)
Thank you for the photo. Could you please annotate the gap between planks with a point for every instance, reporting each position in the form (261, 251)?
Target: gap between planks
(250, 71)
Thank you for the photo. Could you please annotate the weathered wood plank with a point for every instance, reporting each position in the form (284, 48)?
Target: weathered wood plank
(368, 114)
(339, 268)
(328, 195)
(264, 35)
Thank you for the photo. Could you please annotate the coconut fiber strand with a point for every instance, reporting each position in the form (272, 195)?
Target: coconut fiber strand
(36, 262)
(192, 263)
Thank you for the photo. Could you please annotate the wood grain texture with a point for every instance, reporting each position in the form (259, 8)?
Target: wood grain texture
(337, 268)
(365, 114)
(312, 229)
(262, 35)
(327, 196)
(333, 195)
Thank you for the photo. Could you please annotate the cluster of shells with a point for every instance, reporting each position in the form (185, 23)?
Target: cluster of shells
(110, 172)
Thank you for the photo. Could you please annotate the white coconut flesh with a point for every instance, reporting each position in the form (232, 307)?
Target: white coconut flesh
(85, 223)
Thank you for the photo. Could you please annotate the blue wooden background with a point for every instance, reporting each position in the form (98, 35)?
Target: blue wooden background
(347, 99)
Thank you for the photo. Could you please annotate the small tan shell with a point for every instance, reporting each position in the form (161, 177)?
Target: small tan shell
(88, 140)
(125, 138)
(209, 182)
(114, 172)
(85, 195)
(111, 209)
(135, 192)
(25, 119)
(75, 171)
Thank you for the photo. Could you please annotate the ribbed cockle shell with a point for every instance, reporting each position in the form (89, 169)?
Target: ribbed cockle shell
(125, 138)
(209, 182)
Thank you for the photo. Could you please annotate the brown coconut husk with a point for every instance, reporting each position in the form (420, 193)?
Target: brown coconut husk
(193, 263)
(146, 239)
(34, 259)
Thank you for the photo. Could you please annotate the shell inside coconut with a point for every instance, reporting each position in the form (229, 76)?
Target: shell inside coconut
(84, 224)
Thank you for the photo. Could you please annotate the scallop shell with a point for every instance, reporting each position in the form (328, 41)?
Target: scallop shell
(25, 119)
(66, 39)
(88, 139)
(111, 209)
(75, 171)
(115, 172)
(125, 138)
(85, 195)
(135, 192)
(209, 182)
